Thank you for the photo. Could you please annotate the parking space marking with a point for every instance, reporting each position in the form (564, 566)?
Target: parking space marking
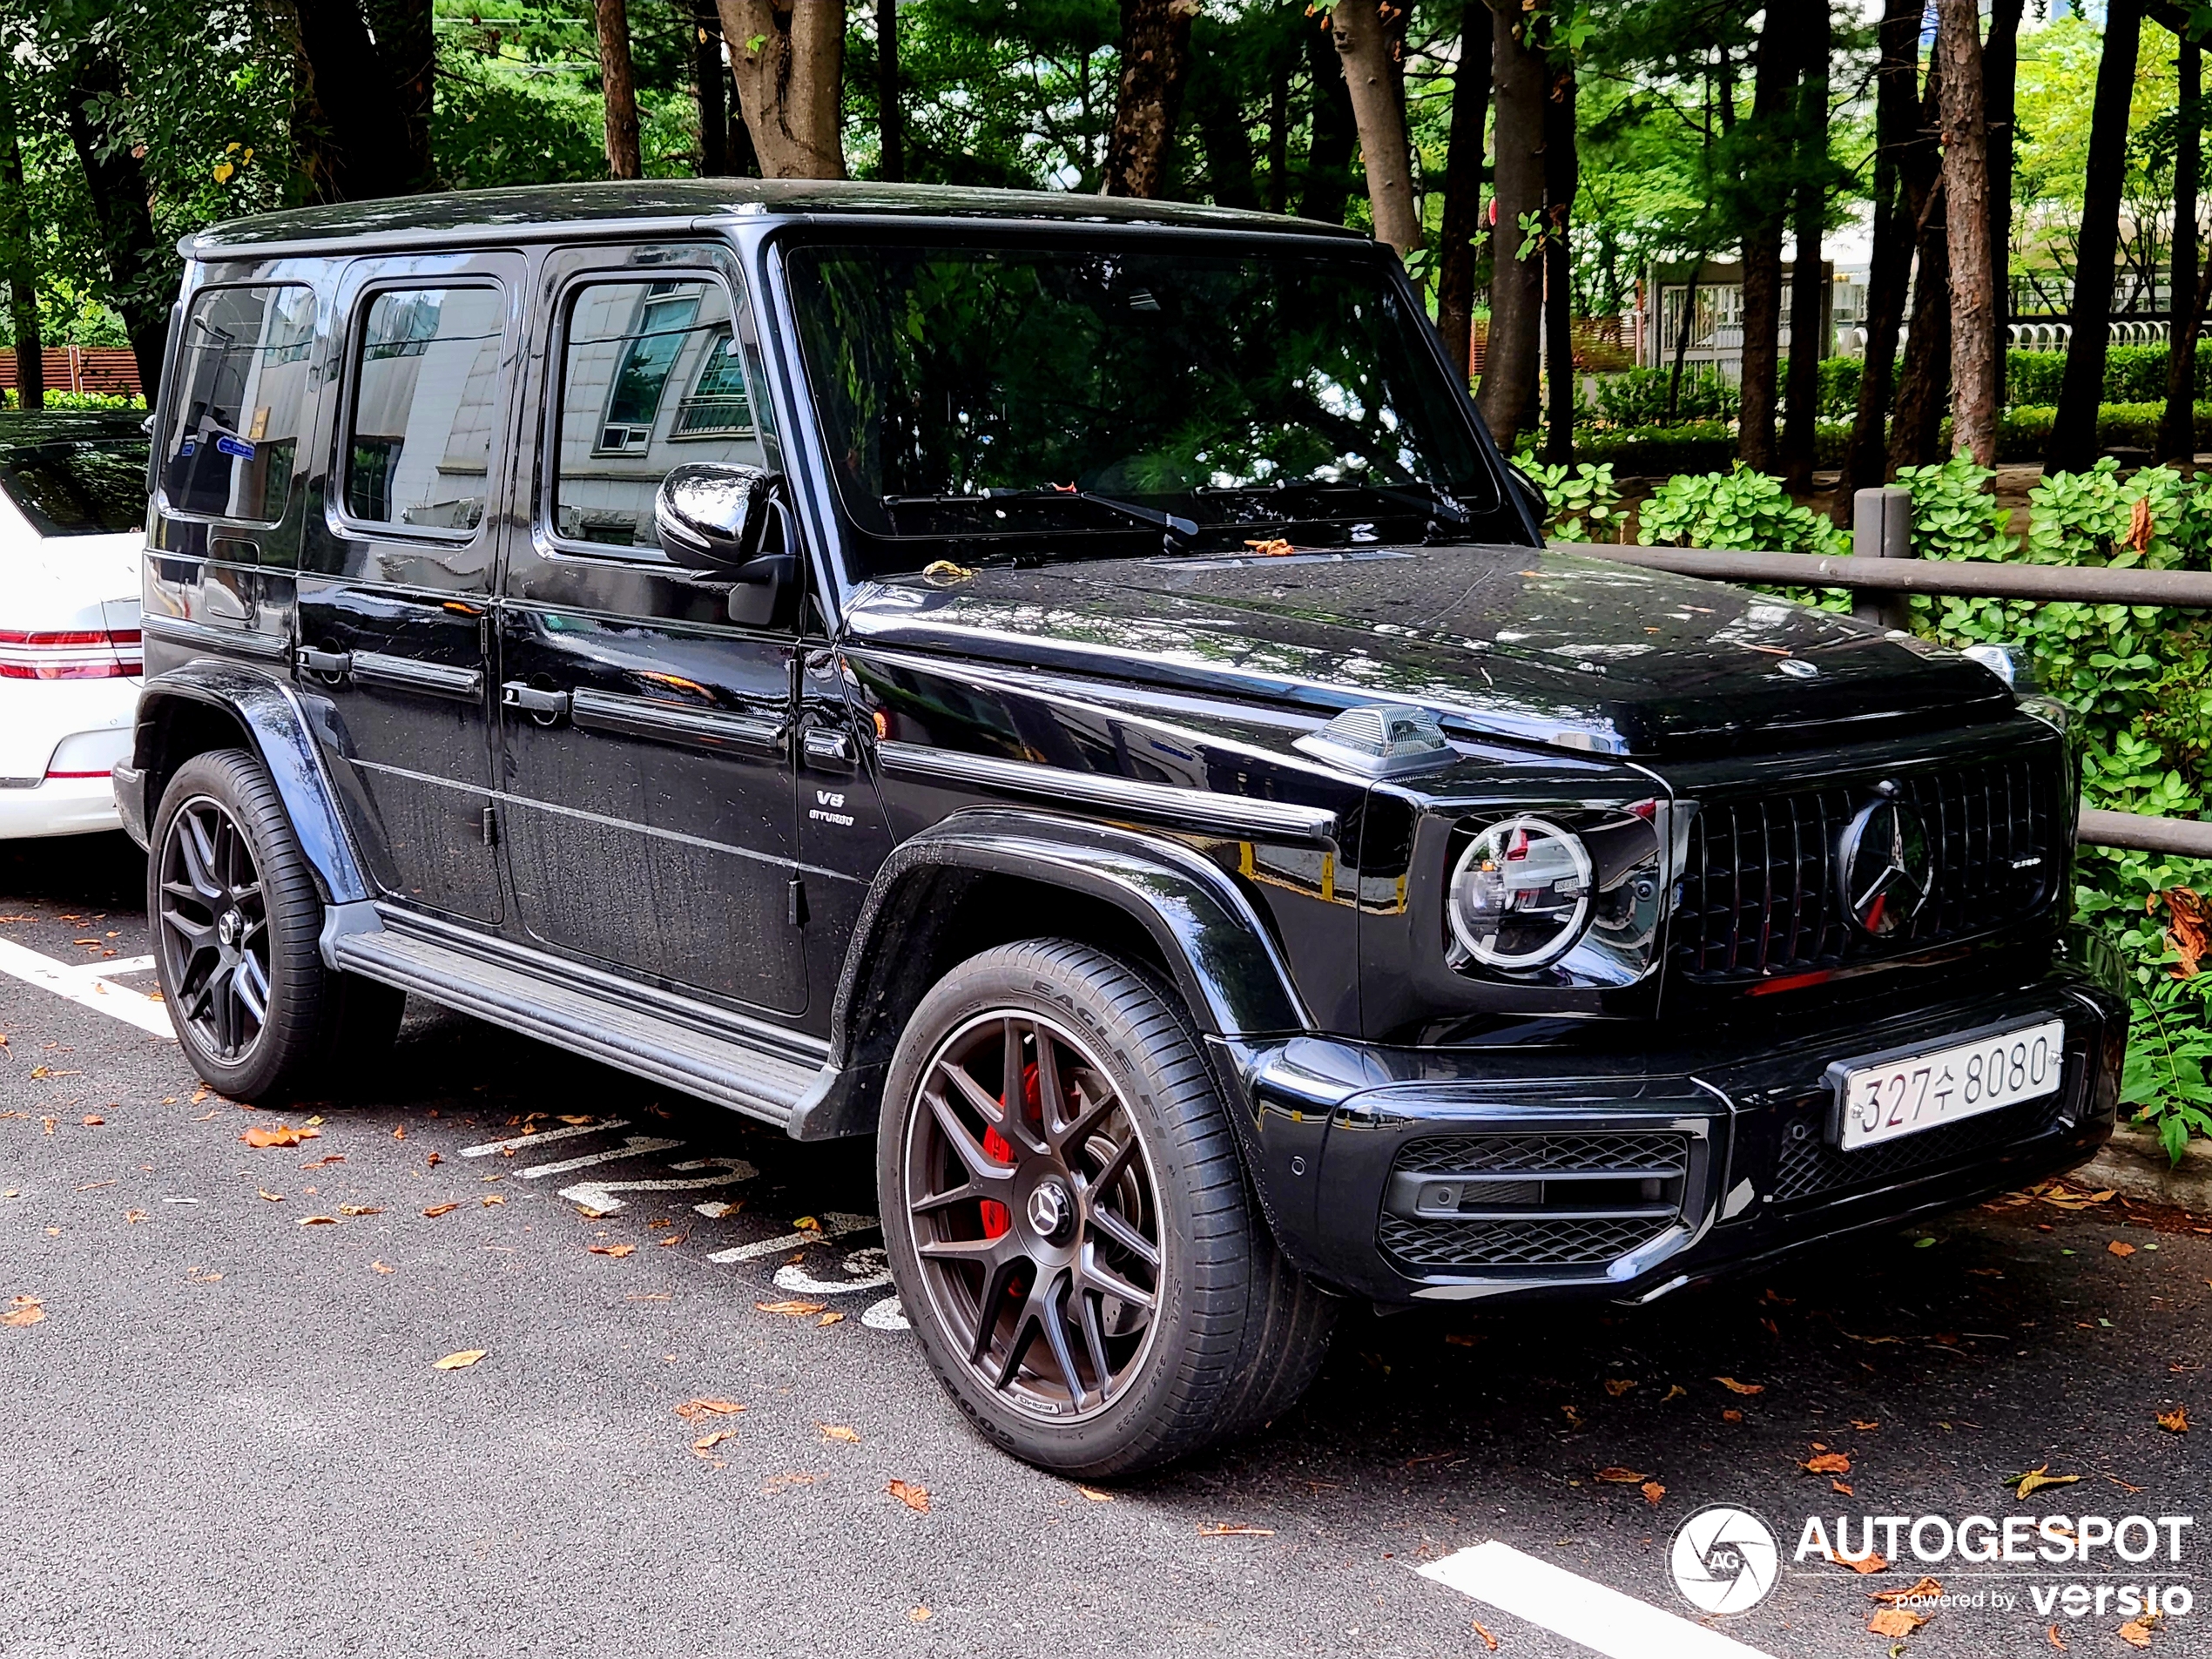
(543, 1137)
(598, 1194)
(835, 1225)
(632, 1146)
(1584, 1611)
(886, 1315)
(868, 1269)
(87, 985)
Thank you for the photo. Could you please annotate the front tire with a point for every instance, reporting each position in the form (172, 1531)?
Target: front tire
(235, 918)
(1086, 1272)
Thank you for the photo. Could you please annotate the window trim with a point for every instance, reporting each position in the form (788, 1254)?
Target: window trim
(350, 365)
(159, 457)
(697, 268)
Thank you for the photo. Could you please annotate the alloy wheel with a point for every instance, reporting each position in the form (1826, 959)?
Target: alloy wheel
(1035, 1212)
(214, 930)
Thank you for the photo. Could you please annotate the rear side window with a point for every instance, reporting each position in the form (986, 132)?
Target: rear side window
(651, 377)
(77, 487)
(425, 385)
(243, 394)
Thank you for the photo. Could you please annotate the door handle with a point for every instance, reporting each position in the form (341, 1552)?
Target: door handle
(332, 664)
(827, 750)
(547, 708)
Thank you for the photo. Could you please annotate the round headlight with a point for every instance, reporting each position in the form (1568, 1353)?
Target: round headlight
(1520, 895)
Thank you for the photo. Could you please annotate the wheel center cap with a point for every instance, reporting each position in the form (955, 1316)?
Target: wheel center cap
(1050, 1206)
(227, 929)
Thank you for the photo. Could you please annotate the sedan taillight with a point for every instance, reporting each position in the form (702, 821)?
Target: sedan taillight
(82, 654)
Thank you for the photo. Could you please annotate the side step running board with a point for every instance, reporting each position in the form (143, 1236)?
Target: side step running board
(722, 1069)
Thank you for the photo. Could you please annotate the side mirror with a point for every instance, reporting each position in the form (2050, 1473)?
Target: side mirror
(714, 516)
(767, 594)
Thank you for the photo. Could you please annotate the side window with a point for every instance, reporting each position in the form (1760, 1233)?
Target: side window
(243, 394)
(418, 453)
(651, 377)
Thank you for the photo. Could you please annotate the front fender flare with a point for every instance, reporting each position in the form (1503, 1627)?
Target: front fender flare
(281, 734)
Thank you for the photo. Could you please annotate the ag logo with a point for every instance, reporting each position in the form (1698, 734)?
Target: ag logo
(1886, 869)
(1725, 1560)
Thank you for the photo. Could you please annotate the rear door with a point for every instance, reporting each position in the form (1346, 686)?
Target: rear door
(396, 571)
(645, 743)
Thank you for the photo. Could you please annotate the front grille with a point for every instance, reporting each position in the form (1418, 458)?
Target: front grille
(1808, 1167)
(1558, 1241)
(1566, 1198)
(1759, 889)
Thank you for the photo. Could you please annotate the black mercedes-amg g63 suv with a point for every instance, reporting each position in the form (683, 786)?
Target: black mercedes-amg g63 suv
(1066, 686)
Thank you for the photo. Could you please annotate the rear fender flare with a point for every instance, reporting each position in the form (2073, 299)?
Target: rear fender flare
(280, 733)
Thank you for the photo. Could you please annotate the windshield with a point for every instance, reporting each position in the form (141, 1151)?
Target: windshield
(82, 487)
(1020, 401)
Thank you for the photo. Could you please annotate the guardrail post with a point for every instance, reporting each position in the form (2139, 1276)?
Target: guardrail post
(1882, 528)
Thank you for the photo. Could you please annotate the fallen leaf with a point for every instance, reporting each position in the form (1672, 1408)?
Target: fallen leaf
(2056, 1642)
(324, 1161)
(1674, 1392)
(2175, 1421)
(793, 1309)
(360, 1209)
(1620, 1477)
(1617, 1386)
(437, 1210)
(1843, 1487)
(381, 1268)
(1574, 1418)
(134, 1215)
(775, 1483)
(1488, 1640)
(2121, 1250)
(2136, 1632)
(1735, 1387)
(1653, 1491)
(283, 1134)
(915, 1497)
(612, 1250)
(318, 1221)
(1731, 1415)
(2035, 1479)
(831, 1318)
(399, 1134)
(1926, 1586)
(1828, 1463)
(838, 1431)
(706, 1443)
(1895, 1621)
(1867, 1563)
(23, 1311)
(691, 1410)
(1275, 547)
(491, 1198)
(458, 1362)
(1864, 1426)
(92, 1121)
(273, 1197)
(919, 1615)
(1236, 1532)
(1095, 1495)
(433, 1160)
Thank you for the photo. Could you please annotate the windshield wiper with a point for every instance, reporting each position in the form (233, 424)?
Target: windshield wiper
(1426, 497)
(1184, 530)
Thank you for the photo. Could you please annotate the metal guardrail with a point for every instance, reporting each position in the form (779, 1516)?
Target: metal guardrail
(1882, 563)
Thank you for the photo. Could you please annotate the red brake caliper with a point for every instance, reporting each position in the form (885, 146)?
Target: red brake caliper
(994, 1216)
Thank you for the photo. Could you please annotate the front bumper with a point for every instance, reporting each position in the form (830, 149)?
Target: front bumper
(1632, 1173)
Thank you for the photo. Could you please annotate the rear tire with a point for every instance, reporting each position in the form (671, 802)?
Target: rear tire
(235, 918)
(1087, 1274)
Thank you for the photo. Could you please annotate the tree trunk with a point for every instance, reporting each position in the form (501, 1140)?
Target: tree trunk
(1156, 61)
(1509, 360)
(2074, 427)
(1223, 136)
(1562, 175)
(407, 57)
(143, 270)
(1965, 192)
(710, 83)
(1999, 71)
(788, 63)
(2177, 432)
(1915, 430)
(20, 253)
(1463, 189)
(1776, 72)
(364, 142)
(1372, 73)
(1684, 328)
(1808, 282)
(1278, 140)
(618, 89)
(1897, 130)
(1328, 152)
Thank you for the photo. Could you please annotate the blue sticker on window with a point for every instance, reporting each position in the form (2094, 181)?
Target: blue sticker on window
(226, 445)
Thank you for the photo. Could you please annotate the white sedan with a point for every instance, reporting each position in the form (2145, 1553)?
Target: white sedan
(72, 525)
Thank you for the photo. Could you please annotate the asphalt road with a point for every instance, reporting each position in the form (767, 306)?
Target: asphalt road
(226, 1435)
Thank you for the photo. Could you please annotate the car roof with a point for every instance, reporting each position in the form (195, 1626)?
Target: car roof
(542, 210)
(71, 426)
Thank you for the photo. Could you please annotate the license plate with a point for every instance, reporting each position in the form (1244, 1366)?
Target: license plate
(1906, 1093)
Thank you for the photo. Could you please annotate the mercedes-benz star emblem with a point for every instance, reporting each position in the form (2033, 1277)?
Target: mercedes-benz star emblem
(1048, 1208)
(1725, 1560)
(1886, 869)
(1798, 669)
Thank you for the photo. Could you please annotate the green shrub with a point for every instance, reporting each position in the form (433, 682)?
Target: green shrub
(2133, 375)
(1838, 386)
(1584, 502)
(1638, 397)
(1660, 451)
(82, 400)
(1740, 509)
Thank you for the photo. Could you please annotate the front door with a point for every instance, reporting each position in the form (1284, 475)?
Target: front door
(645, 741)
(396, 572)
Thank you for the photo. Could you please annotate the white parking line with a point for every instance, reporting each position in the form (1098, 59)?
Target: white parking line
(597, 1195)
(1599, 1617)
(543, 1137)
(632, 1146)
(86, 984)
(835, 1225)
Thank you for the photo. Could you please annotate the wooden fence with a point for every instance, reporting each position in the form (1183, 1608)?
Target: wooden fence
(80, 368)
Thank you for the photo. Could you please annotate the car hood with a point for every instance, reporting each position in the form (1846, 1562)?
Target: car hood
(1567, 650)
